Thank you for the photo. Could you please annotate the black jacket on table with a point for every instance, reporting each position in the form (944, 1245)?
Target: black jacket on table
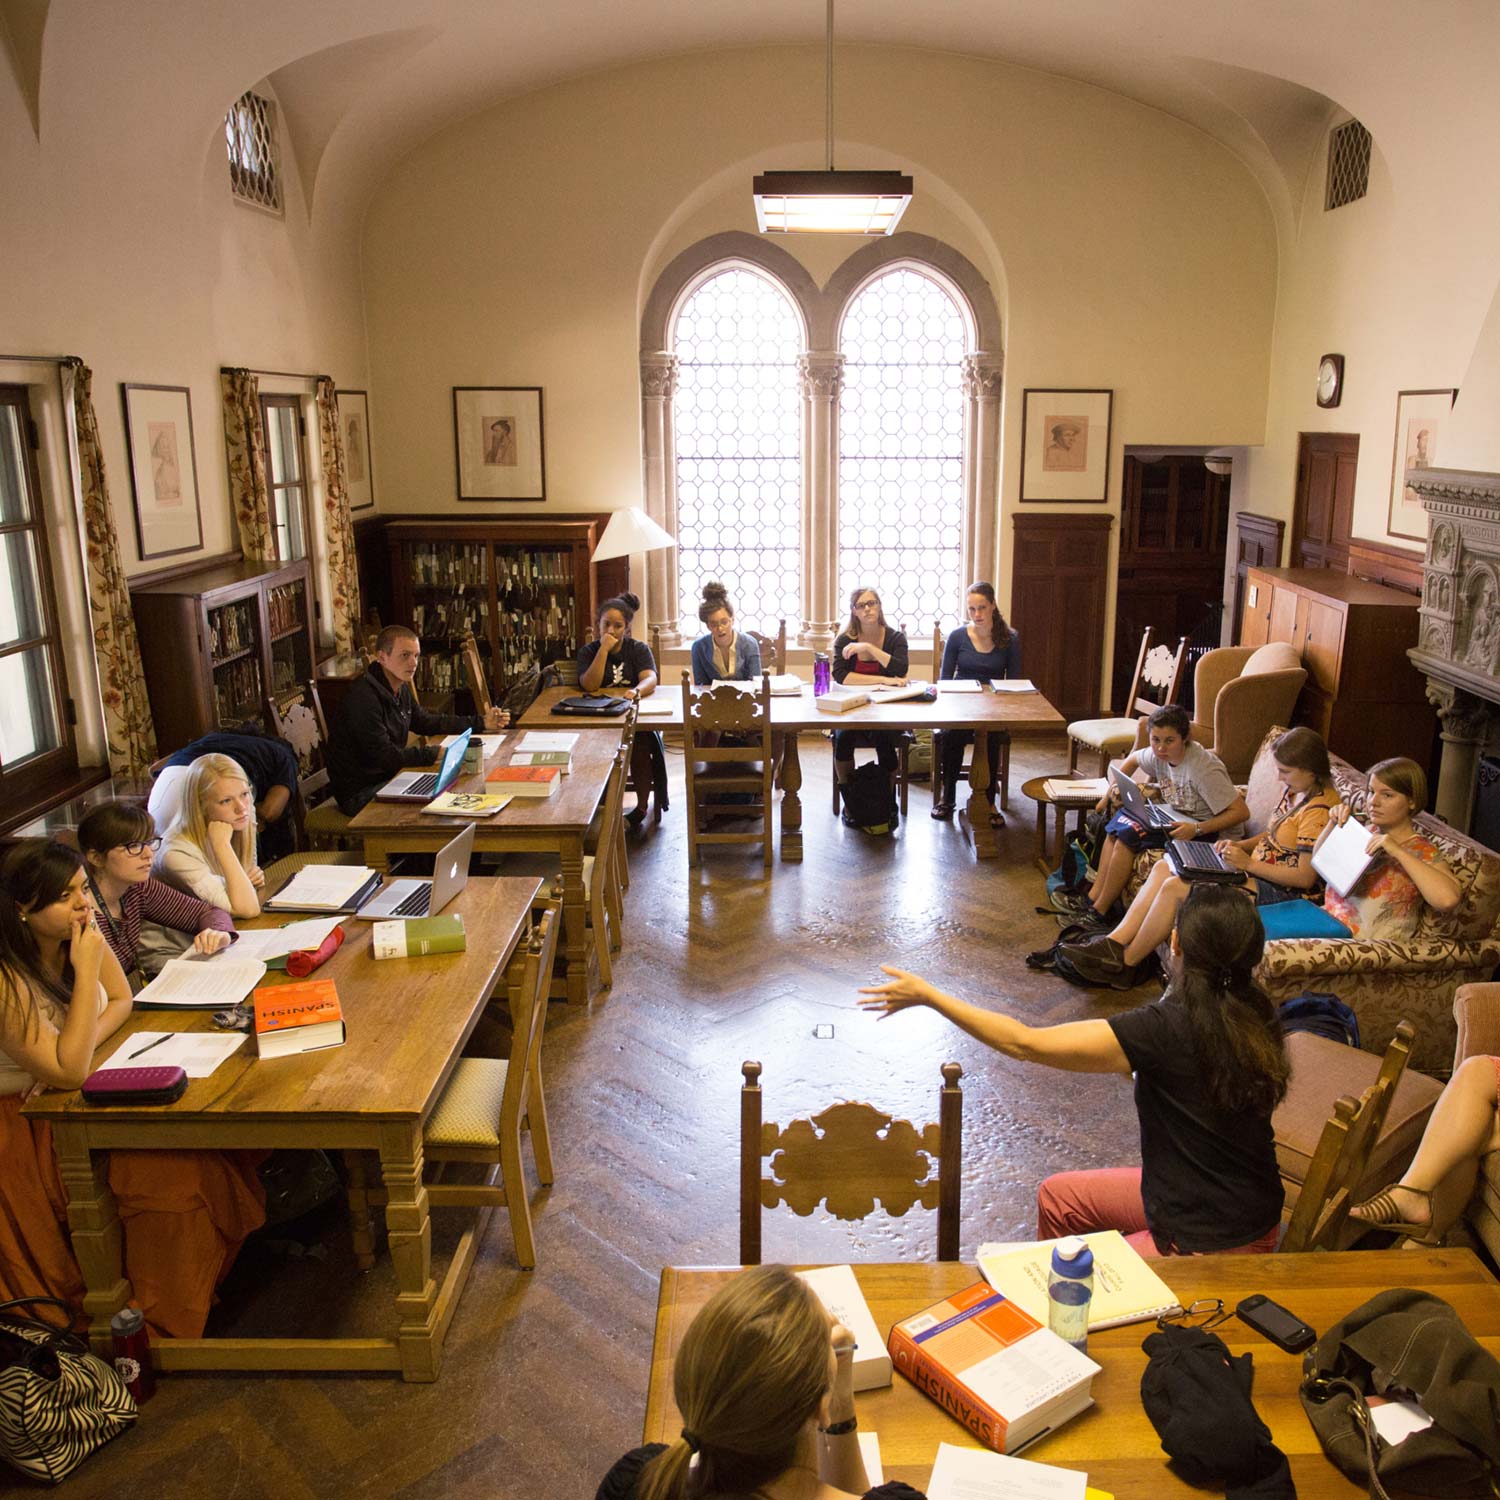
(367, 740)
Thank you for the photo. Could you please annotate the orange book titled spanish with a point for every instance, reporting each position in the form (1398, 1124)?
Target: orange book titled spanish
(988, 1363)
(527, 781)
(303, 1017)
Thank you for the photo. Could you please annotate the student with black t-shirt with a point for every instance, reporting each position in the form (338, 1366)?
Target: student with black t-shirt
(1209, 1069)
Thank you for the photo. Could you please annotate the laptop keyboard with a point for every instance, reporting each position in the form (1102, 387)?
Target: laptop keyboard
(1196, 855)
(414, 905)
(423, 786)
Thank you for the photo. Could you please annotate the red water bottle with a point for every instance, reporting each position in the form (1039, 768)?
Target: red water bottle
(132, 1356)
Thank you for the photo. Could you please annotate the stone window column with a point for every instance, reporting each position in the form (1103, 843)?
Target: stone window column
(982, 384)
(658, 381)
(821, 375)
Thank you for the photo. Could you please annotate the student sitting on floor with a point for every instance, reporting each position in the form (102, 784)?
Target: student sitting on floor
(1209, 1069)
(1189, 778)
(62, 992)
(209, 852)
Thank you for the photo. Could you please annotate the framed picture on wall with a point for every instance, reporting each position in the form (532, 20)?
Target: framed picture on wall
(354, 429)
(163, 469)
(1065, 446)
(1421, 418)
(497, 431)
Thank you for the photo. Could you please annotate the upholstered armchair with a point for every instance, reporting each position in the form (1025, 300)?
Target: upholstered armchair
(1476, 1010)
(1238, 693)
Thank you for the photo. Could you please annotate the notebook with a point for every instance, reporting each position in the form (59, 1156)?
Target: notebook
(1341, 858)
(1126, 1289)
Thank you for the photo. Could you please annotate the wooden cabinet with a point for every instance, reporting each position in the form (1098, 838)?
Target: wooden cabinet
(1362, 695)
(215, 643)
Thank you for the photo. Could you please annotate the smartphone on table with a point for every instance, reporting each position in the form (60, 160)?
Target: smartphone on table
(1282, 1326)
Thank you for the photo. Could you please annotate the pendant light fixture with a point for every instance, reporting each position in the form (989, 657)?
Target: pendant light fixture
(830, 202)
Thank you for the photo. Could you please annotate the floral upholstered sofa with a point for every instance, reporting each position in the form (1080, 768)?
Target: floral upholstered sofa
(1384, 981)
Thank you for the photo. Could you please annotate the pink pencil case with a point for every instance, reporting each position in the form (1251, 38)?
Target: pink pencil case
(159, 1085)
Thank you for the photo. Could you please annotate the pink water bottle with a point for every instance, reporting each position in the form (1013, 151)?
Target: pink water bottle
(132, 1355)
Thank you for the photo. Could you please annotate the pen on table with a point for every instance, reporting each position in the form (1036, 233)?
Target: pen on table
(164, 1037)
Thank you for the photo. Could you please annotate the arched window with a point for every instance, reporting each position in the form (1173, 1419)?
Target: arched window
(738, 441)
(902, 413)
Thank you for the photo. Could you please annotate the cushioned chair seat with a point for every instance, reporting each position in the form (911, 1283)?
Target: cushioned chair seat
(325, 819)
(1103, 734)
(1321, 1071)
(467, 1113)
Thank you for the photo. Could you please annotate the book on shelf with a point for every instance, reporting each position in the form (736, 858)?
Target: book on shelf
(839, 1292)
(1126, 1289)
(525, 781)
(561, 759)
(1076, 788)
(992, 1366)
(416, 937)
(301, 1017)
(469, 804)
(840, 703)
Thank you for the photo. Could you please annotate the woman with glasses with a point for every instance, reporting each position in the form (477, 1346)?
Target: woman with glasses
(868, 654)
(144, 921)
(209, 849)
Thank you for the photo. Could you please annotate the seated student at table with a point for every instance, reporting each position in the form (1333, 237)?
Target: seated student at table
(1277, 865)
(271, 765)
(615, 662)
(185, 1213)
(144, 921)
(1189, 778)
(209, 851)
(984, 650)
(1209, 1067)
(724, 654)
(367, 739)
(765, 1384)
(868, 653)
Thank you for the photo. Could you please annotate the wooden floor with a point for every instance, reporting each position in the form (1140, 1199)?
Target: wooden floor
(545, 1376)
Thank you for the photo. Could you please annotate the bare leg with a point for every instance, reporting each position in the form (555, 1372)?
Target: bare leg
(843, 770)
(1151, 921)
(1114, 874)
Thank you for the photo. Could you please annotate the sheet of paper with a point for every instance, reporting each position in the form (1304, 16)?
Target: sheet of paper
(869, 1450)
(197, 1053)
(322, 885)
(655, 707)
(491, 742)
(960, 685)
(1395, 1421)
(1342, 858)
(973, 1474)
(203, 983)
(276, 942)
(1013, 685)
(547, 739)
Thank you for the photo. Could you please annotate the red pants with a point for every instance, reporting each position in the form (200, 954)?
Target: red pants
(1110, 1198)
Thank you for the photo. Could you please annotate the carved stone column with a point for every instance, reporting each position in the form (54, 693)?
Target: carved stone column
(658, 381)
(982, 384)
(1465, 720)
(822, 376)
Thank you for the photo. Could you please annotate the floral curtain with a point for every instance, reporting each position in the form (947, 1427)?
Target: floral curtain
(117, 652)
(246, 440)
(338, 528)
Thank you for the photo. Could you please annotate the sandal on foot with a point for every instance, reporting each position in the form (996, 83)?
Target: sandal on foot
(1380, 1212)
(942, 809)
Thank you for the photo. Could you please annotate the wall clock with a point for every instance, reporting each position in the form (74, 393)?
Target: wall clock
(1330, 379)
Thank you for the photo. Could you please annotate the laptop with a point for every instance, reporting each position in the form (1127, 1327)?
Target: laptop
(1195, 859)
(423, 786)
(426, 898)
(1148, 814)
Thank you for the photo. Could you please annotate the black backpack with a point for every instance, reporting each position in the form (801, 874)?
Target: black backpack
(869, 803)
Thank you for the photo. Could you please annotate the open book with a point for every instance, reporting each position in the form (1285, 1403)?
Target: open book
(913, 689)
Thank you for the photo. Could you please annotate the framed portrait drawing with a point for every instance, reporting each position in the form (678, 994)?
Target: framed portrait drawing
(163, 469)
(498, 434)
(1421, 420)
(354, 429)
(1065, 446)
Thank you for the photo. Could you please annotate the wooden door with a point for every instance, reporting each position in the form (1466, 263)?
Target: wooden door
(1257, 544)
(1323, 516)
(1282, 622)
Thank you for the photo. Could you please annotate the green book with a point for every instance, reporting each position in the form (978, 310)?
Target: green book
(562, 759)
(418, 936)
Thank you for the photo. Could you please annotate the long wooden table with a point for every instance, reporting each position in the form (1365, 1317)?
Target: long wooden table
(408, 1020)
(1114, 1440)
(982, 713)
(553, 825)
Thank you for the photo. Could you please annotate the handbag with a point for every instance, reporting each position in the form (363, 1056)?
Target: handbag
(58, 1402)
(592, 706)
(1404, 1340)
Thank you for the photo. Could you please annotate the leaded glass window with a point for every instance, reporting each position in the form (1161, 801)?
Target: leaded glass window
(738, 430)
(901, 450)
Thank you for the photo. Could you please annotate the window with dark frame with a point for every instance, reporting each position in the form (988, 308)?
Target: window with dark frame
(37, 751)
(286, 480)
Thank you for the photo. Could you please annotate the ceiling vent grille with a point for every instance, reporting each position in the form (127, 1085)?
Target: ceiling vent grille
(254, 163)
(1348, 164)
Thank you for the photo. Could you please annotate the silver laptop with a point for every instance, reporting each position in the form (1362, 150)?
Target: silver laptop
(1148, 814)
(423, 786)
(425, 898)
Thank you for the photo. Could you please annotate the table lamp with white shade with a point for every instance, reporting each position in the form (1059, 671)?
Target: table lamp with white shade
(630, 531)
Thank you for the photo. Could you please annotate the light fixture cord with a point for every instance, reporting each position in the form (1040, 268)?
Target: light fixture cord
(829, 85)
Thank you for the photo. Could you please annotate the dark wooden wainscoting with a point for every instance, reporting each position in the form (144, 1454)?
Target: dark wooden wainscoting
(1257, 544)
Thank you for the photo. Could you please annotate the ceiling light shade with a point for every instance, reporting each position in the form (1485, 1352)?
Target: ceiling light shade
(830, 202)
(630, 531)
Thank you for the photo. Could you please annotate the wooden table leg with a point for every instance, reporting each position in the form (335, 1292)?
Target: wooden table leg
(1041, 837)
(410, 1235)
(356, 1168)
(985, 846)
(377, 856)
(94, 1223)
(791, 803)
(575, 917)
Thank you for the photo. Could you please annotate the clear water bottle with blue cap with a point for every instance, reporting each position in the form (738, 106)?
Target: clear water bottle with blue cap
(1070, 1291)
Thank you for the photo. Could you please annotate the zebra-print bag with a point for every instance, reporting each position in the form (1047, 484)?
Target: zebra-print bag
(58, 1402)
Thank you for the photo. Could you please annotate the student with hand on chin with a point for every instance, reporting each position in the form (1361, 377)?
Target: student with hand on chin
(868, 653)
(209, 852)
(615, 662)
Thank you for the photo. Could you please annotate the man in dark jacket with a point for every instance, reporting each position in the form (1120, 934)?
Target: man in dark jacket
(367, 741)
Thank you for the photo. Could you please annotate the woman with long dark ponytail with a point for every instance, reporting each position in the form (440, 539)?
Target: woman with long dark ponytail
(1209, 1069)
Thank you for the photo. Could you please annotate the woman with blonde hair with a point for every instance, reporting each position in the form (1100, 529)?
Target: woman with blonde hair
(209, 847)
(765, 1384)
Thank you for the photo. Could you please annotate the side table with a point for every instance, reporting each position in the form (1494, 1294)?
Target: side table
(1048, 852)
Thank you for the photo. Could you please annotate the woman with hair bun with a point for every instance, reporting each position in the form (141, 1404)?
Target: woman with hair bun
(724, 654)
(615, 662)
(765, 1384)
(1209, 1069)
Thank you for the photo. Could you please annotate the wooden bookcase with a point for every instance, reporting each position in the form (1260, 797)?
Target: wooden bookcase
(527, 590)
(217, 642)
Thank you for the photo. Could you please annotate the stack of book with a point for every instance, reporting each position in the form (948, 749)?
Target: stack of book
(525, 781)
(304, 1017)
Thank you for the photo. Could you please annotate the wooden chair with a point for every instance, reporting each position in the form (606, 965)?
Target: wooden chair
(485, 1107)
(904, 739)
(479, 688)
(743, 766)
(301, 724)
(603, 848)
(1156, 668)
(849, 1156)
(999, 739)
(1344, 1148)
(772, 648)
